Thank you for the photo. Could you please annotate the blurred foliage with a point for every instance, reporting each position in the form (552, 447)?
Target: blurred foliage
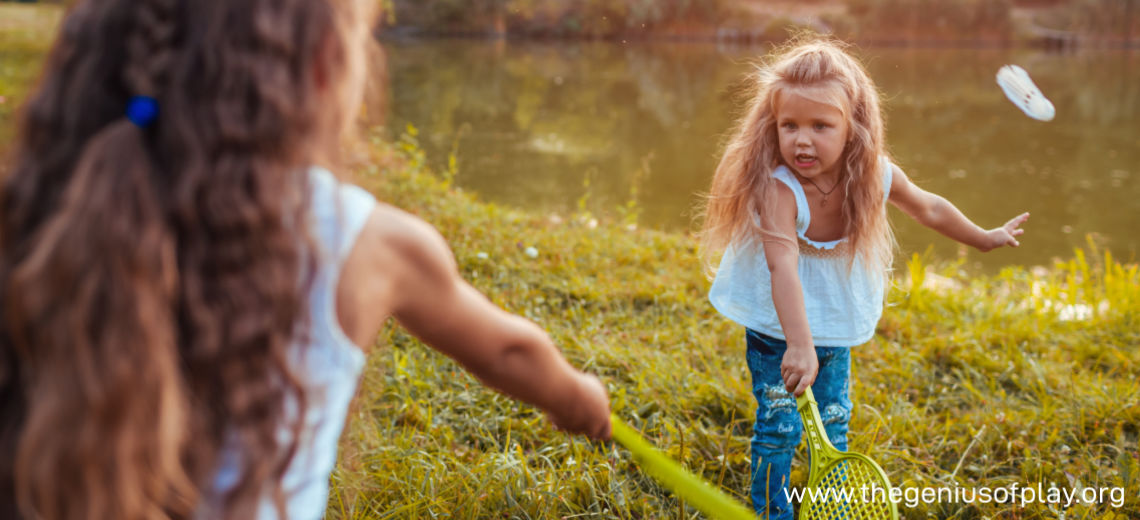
(26, 31)
(947, 20)
(991, 21)
(1103, 19)
(554, 17)
(864, 19)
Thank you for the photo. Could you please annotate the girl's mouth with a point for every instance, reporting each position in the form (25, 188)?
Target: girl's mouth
(804, 160)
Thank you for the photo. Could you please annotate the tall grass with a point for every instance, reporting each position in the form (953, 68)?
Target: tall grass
(1023, 377)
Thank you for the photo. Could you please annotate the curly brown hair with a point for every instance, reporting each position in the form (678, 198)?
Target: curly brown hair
(153, 280)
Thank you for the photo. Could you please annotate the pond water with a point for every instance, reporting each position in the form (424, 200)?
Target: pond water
(547, 126)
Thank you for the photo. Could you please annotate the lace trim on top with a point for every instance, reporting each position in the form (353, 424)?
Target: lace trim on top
(833, 249)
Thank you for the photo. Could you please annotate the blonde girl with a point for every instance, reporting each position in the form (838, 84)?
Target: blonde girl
(798, 207)
(185, 290)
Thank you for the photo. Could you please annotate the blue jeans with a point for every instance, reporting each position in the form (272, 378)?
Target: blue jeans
(778, 428)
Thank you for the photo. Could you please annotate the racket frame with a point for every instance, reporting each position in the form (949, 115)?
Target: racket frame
(697, 492)
(824, 455)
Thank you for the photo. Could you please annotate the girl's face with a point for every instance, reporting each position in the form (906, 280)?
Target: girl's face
(812, 136)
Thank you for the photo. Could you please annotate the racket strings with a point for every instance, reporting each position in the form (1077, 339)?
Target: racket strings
(841, 492)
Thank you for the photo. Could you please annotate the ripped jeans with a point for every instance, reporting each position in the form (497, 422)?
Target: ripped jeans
(778, 428)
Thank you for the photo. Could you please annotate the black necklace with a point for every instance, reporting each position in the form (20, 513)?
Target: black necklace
(823, 201)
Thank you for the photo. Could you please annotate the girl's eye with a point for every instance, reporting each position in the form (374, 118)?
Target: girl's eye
(820, 126)
(789, 126)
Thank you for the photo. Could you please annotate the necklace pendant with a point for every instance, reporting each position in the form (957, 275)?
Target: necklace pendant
(823, 202)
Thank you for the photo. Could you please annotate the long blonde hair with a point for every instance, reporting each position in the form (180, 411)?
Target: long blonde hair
(744, 188)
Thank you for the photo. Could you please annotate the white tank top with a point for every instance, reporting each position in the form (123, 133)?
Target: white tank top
(842, 308)
(329, 365)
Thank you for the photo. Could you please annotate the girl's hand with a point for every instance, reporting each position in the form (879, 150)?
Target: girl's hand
(1005, 235)
(588, 413)
(799, 368)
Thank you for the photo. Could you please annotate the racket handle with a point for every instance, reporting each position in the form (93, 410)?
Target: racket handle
(822, 451)
(695, 491)
(806, 399)
(809, 412)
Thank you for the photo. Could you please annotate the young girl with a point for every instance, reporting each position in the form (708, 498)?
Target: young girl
(798, 204)
(184, 289)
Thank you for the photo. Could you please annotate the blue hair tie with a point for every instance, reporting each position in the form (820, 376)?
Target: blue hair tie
(142, 110)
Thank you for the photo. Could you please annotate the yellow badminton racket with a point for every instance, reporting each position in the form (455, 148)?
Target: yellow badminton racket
(841, 485)
(695, 491)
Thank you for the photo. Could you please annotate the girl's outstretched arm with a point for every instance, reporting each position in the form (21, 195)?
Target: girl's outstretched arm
(939, 214)
(800, 365)
(505, 351)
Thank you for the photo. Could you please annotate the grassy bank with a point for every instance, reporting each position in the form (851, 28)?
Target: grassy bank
(970, 381)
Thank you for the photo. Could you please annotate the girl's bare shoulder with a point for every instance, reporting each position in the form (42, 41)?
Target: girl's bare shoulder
(396, 256)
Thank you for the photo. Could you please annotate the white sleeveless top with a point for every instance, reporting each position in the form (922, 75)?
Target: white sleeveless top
(329, 365)
(842, 308)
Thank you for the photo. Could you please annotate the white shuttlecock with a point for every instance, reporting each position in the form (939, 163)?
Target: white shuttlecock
(1015, 82)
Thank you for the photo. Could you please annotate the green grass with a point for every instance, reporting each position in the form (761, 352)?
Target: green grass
(971, 381)
(26, 30)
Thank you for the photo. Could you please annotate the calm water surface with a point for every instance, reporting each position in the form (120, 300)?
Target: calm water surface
(542, 126)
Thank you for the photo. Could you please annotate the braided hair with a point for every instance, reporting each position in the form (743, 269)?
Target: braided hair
(149, 293)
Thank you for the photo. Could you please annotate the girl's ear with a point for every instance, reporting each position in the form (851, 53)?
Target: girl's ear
(330, 64)
(322, 68)
(320, 76)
